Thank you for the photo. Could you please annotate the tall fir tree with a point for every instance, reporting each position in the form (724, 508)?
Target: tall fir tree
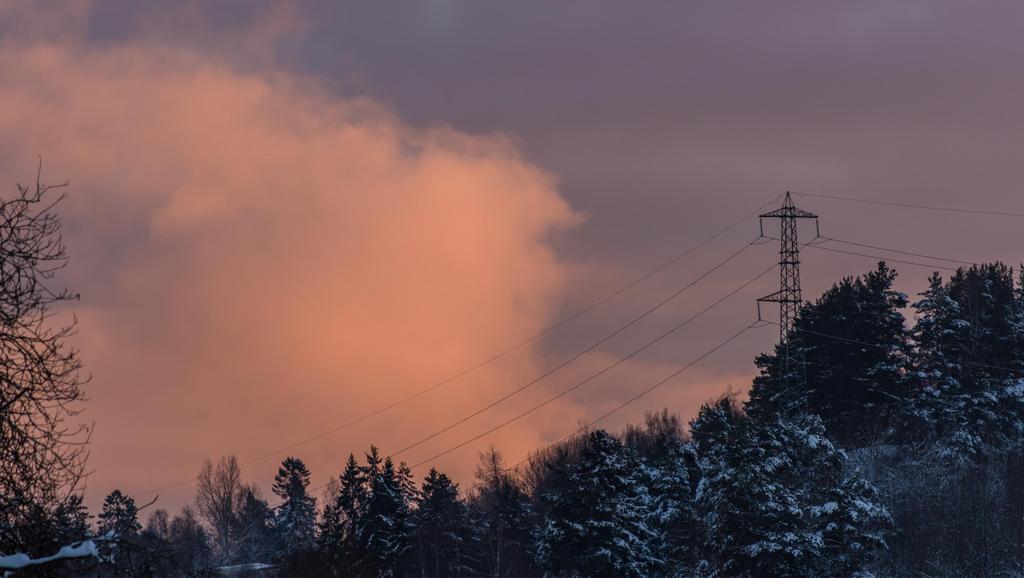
(295, 518)
(442, 532)
(853, 350)
(382, 533)
(601, 526)
(341, 517)
(941, 345)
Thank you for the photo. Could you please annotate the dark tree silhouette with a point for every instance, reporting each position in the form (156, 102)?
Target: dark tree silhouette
(42, 454)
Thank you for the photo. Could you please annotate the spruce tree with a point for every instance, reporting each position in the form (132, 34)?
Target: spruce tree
(295, 518)
(341, 517)
(673, 517)
(775, 500)
(442, 531)
(941, 336)
(382, 533)
(601, 525)
(968, 361)
(991, 395)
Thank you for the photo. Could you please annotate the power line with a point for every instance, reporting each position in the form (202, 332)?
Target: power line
(666, 379)
(877, 346)
(586, 350)
(593, 376)
(911, 206)
(888, 259)
(550, 328)
(890, 250)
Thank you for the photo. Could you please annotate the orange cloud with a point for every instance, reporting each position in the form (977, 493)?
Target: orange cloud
(261, 261)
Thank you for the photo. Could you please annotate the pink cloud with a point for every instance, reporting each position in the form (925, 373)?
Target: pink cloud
(261, 261)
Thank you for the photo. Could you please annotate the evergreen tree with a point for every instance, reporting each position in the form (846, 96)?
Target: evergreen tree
(601, 525)
(119, 516)
(673, 516)
(254, 531)
(342, 516)
(442, 531)
(852, 350)
(775, 501)
(191, 544)
(968, 362)
(295, 518)
(941, 337)
(72, 520)
(381, 534)
(670, 463)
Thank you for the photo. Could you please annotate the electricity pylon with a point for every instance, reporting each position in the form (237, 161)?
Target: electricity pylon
(788, 295)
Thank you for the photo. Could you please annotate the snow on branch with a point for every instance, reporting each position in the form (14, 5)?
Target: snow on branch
(83, 549)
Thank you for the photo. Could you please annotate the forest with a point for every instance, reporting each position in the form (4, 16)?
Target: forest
(882, 437)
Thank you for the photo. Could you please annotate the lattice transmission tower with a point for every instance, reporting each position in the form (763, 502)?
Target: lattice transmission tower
(788, 295)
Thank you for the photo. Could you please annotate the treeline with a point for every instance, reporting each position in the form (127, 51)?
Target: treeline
(869, 445)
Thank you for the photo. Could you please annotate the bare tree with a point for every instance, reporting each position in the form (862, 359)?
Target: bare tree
(220, 495)
(42, 454)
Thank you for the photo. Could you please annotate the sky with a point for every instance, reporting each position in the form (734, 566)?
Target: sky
(286, 215)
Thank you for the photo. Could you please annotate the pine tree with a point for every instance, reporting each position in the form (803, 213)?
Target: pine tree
(601, 525)
(853, 350)
(295, 518)
(119, 516)
(442, 531)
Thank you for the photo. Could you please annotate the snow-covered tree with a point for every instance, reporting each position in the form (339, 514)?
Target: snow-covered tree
(383, 530)
(968, 361)
(670, 463)
(941, 338)
(295, 518)
(602, 524)
(674, 520)
(775, 499)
